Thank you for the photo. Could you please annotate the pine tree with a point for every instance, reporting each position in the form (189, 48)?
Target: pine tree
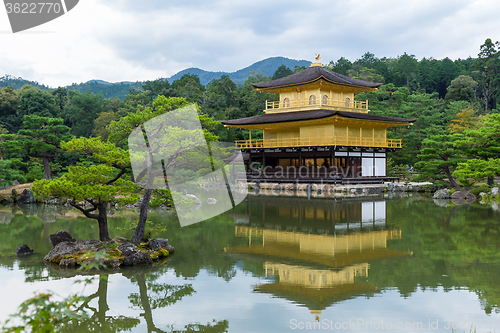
(43, 137)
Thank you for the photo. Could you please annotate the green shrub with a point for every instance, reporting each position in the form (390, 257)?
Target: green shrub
(483, 188)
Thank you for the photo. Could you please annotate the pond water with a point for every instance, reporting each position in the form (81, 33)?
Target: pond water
(279, 264)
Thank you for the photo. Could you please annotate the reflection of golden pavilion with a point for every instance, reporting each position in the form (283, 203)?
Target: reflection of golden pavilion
(315, 278)
(317, 270)
(332, 251)
(315, 288)
(316, 216)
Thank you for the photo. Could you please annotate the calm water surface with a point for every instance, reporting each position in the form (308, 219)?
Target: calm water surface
(280, 264)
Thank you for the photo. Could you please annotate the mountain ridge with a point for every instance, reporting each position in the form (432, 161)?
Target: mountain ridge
(266, 67)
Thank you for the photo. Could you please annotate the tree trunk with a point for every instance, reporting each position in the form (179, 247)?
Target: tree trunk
(143, 215)
(450, 178)
(46, 168)
(143, 292)
(103, 299)
(103, 221)
(490, 181)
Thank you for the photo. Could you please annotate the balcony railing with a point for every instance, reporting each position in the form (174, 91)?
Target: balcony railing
(323, 141)
(317, 102)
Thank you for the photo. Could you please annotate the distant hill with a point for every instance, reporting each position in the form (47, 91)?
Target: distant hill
(110, 90)
(19, 82)
(266, 67)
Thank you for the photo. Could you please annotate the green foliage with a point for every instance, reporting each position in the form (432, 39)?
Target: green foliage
(121, 129)
(463, 88)
(42, 137)
(418, 91)
(35, 169)
(219, 95)
(477, 170)
(162, 295)
(482, 141)
(101, 122)
(87, 184)
(103, 152)
(10, 170)
(282, 71)
(82, 110)
(340, 66)
(157, 87)
(94, 260)
(439, 158)
(214, 327)
(161, 197)
(8, 108)
(60, 97)
(465, 115)
(43, 314)
(153, 229)
(18, 83)
(487, 67)
(482, 188)
(94, 185)
(43, 134)
(400, 171)
(117, 90)
(33, 101)
(367, 74)
(391, 172)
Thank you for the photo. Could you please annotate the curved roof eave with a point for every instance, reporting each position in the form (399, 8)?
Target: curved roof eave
(313, 74)
(283, 117)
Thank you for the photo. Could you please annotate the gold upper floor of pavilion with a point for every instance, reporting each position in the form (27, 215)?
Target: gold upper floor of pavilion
(316, 107)
(316, 87)
(313, 102)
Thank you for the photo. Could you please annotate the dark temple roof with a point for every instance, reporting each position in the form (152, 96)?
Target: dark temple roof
(315, 73)
(281, 117)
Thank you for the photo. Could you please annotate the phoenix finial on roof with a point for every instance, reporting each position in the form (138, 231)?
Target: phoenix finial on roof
(317, 57)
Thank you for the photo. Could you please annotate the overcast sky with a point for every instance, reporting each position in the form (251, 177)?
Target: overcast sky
(131, 40)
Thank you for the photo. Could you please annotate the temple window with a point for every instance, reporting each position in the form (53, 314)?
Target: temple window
(312, 100)
(286, 103)
(324, 100)
(347, 102)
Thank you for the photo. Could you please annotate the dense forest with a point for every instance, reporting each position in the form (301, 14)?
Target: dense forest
(456, 138)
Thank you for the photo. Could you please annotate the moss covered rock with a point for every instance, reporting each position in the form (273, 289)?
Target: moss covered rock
(120, 252)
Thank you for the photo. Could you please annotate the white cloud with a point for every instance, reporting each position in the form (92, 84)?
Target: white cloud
(120, 40)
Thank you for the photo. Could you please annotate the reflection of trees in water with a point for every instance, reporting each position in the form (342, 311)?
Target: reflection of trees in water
(453, 247)
(6, 216)
(98, 321)
(201, 246)
(151, 295)
(156, 295)
(483, 279)
(215, 327)
(50, 213)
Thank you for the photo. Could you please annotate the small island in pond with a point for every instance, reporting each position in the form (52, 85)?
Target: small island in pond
(114, 253)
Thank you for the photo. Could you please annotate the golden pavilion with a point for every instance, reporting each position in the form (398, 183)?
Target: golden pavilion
(318, 131)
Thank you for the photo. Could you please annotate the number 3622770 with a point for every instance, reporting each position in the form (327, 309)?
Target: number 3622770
(33, 8)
